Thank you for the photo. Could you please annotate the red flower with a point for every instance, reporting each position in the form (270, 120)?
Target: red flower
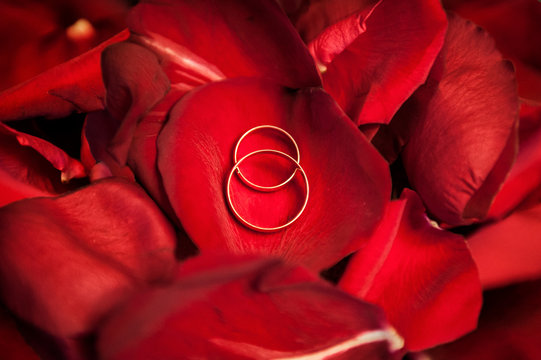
(67, 261)
(184, 166)
(409, 255)
(244, 308)
(180, 86)
(37, 35)
(515, 27)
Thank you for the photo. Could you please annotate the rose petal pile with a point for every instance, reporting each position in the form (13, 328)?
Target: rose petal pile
(423, 159)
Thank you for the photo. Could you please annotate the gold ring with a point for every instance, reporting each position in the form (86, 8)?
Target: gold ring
(260, 187)
(244, 221)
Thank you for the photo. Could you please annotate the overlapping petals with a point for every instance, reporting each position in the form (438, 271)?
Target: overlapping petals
(246, 38)
(256, 38)
(508, 327)
(349, 181)
(12, 344)
(387, 54)
(39, 34)
(525, 175)
(460, 128)
(515, 27)
(509, 250)
(30, 166)
(422, 276)
(74, 86)
(165, 103)
(247, 308)
(313, 17)
(67, 261)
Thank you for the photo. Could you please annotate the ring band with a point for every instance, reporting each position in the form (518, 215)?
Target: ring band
(260, 187)
(234, 210)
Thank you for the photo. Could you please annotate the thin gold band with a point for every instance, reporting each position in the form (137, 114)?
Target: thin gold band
(261, 187)
(244, 221)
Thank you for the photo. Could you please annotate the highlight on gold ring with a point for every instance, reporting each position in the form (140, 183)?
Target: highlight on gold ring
(261, 187)
(242, 219)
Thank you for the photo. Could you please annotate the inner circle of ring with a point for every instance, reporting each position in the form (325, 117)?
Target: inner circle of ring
(244, 221)
(261, 187)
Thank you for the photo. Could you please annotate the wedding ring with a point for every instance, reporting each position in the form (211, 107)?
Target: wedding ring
(261, 187)
(246, 222)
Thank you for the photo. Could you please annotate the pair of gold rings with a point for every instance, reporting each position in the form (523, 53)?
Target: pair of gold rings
(257, 187)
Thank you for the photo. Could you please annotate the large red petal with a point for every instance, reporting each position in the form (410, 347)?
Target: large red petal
(423, 277)
(372, 77)
(509, 250)
(246, 38)
(72, 86)
(143, 154)
(349, 182)
(246, 309)
(515, 26)
(135, 82)
(525, 175)
(139, 98)
(66, 261)
(462, 127)
(508, 327)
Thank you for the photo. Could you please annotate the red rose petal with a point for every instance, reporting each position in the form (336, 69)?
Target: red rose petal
(69, 167)
(142, 157)
(372, 77)
(66, 261)
(349, 181)
(14, 190)
(424, 278)
(30, 166)
(525, 175)
(135, 82)
(312, 17)
(72, 86)
(463, 125)
(515, 26)
(12, 344)
(509, 250)
(327, 26)
(508, 327)
(39, 34)
(247, 38)
(254, 308)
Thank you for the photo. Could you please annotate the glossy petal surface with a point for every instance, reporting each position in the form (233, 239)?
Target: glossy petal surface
(312, 17)
(423, 277)
(509, 250)
(374, 75)
(515, 27)
(30, 166)
(37, 35)
(246, 309)
(348, 180)
(462, 138)
(74, 86)
(66, 261)
(525, 175)
(135, 82)
(508, 327)
(247, 38)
